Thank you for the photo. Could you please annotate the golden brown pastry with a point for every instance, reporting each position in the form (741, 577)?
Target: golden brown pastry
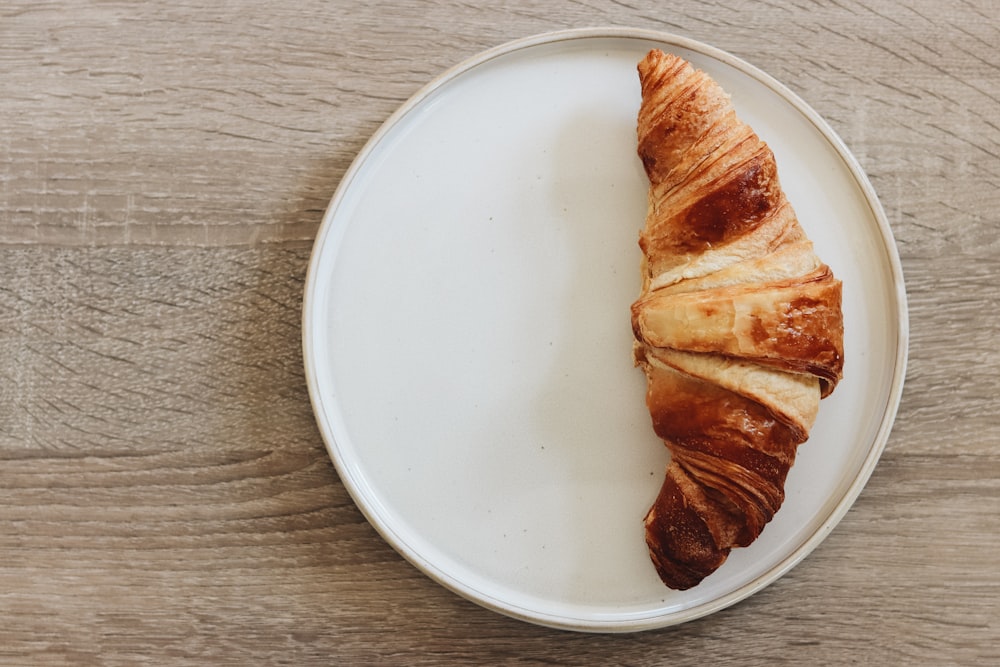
(738, 327)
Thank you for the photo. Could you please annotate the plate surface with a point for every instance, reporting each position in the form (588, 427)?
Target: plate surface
(468, 346)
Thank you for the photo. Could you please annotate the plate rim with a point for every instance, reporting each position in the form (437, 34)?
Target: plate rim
(643, 620)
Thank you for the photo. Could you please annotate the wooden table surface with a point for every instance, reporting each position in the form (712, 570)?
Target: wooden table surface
(165, 496)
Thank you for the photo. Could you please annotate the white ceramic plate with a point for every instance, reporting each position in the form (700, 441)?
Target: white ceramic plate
(468, 346)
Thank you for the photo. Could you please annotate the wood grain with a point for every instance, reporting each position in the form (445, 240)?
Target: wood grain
(165, 497)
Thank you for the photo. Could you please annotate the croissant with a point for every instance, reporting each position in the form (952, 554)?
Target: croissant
(738, 326)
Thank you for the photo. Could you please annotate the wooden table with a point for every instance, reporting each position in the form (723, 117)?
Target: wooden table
(165, 497)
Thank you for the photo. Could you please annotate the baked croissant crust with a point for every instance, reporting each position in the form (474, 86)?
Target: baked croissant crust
(738, 327)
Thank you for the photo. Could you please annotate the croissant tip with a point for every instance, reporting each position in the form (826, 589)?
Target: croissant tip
(678, 575)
